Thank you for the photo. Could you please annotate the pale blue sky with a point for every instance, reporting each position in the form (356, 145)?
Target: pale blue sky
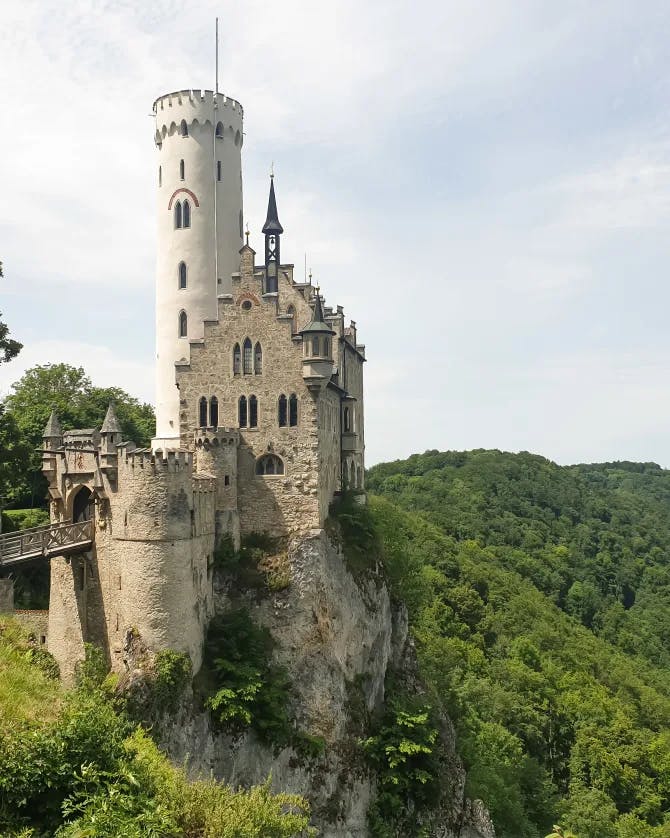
(485, 187)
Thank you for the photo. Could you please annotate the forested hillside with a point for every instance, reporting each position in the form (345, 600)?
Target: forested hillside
(539, 597)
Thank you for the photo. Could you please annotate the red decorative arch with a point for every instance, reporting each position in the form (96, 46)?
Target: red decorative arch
(188, 192)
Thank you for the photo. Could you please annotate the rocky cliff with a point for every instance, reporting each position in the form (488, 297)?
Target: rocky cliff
(338, 635)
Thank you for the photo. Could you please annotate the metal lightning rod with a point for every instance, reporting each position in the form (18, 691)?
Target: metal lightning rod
(217, 56)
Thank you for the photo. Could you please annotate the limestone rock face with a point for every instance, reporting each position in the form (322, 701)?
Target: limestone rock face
(337, 634)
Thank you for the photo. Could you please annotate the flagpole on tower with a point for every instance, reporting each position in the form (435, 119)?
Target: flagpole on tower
(217, 55)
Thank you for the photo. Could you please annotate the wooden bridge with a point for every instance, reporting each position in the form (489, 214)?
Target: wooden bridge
(45, 542)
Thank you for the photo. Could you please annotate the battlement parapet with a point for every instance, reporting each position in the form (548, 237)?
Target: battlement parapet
(216, 437)
(203, 107)
(157, 462)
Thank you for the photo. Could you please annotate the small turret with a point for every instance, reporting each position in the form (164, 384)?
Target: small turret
(317, 361)
(110, 437)
(272, 231)
(52, 439)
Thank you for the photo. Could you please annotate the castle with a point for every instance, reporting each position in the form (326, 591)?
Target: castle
(259, 411)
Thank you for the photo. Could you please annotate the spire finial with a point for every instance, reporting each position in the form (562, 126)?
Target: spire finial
(272, 169)
(310, 276)
(246, 233)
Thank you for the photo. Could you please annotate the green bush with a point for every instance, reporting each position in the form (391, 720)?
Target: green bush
(352, 525)
(24, 519)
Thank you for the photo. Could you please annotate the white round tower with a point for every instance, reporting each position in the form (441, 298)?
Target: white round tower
(199, 181)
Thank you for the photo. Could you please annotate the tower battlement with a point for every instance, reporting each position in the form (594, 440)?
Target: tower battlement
(214, 437)
(201, 106)
(155, 463)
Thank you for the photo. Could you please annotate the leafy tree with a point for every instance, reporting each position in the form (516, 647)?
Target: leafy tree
(8, 348)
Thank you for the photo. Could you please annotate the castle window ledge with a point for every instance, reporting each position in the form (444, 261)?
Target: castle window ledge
(225, 298)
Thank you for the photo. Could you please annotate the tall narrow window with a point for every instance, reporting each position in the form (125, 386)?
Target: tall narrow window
(202, 413)
(248, 358)
(326, 347)
(218, 170)
(183, 324)
(293, 410)
(347, 420)
(315, 341)
(253, 412)
(281, 411)
(242, 412)
(214, 412)
(219, 130)
(237, 360)
(160, 175)
(181, 170)
(258, 359)
(177, 216)
(291, 310)
(182, 274)
(183, 128)
(187, 214)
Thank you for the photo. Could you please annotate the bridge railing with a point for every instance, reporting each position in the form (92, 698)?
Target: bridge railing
(46, 541)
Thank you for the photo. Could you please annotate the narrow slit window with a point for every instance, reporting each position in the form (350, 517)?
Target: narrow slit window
(282, 411)
(253, 412)
(183, 324)
(187, 214)
(237, 360)
(182, 275)
(315, 341)
(177, 216)
(218, 170)
(347, 420)
(183, 128)
(258, 359)
(160, 175)
(181, 170)
(242, 412)
(202, 413)
(293, 410)
(219, 130)
(214, 412)
(248, 358)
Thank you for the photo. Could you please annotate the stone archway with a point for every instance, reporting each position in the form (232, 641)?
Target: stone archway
(82, 505)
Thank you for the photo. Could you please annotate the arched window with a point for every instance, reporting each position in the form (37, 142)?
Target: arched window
(160, 175)
(253, 412)
(269, 464)
(183, 324)
(347, 420)
(315, 341)
(326, 347)
(258, 359)
(202, 413)
(181, 170)
(187, 214)
(293, 410)
(177, 215)
(282, 411)
(248, 358)
(214, 412)
(182, 274)
(242, 412)
(291, 310)
(218, 170)
(219, 130)
(237, 360)
(183, 128)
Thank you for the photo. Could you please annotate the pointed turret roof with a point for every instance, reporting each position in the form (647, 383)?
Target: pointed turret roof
(52, 429)
(272, 224)
(317, 323)
(111, 424)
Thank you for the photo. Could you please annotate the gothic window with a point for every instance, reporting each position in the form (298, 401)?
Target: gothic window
(258, 359)
(214, 412)
(183, 324)
(269, 464)
(326, 347)
(219, 130)
(181, 170)
(218, 170)
(242, 412)
(315, 341)
(253, 412)
(282, 411)
(248, 358)
(182, 274)
(183, 128)
(177, 215)
(187, 214)
(237, 360)
(291, 310)
(202, 413)
(347, 420)
(160, 175)
(293, 410)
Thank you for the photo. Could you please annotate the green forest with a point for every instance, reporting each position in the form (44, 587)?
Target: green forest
(539, 598)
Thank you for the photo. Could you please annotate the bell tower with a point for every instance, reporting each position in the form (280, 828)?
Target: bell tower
(272, 231)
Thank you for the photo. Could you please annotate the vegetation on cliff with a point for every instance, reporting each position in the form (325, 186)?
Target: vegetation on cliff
(73, 764)
(539, 602)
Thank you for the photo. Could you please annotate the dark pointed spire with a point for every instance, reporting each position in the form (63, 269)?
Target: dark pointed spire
(272, 225)
(52, 429)
(317, 323)
(111, 424)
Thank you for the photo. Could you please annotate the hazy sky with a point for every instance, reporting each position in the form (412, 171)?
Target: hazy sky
(484, 187)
